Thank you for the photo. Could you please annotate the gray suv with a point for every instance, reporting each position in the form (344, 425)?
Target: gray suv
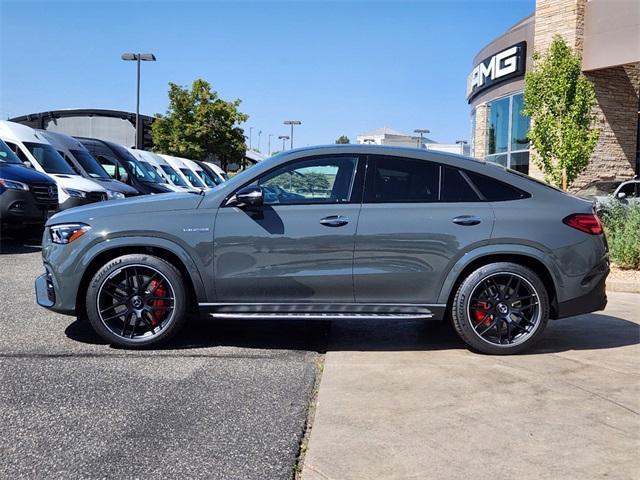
(337, 232)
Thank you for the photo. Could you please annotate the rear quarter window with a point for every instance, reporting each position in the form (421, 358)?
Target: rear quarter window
(494, 190)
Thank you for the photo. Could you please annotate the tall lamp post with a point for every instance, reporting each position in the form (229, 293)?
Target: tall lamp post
(259, 134)
(421, 131)
(250, 137)
(270, 135)
(284, 138)
(462, 143)
(292, 123)
(138, 57)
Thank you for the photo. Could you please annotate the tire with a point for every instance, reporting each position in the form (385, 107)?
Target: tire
(500, 309)
(136, 301)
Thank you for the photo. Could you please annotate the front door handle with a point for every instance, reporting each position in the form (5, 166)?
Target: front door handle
(334, 221)
(467, 220)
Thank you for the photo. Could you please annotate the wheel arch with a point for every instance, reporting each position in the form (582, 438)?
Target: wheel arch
(186, 267)
(535, 262)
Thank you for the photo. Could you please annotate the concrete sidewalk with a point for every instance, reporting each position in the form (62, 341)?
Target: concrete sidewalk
(405, 400)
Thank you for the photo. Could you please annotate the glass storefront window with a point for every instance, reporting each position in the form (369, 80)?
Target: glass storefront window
(508, 144)
(519, 124)
(498, 126)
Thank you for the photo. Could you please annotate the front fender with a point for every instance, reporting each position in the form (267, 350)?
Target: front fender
(144, 241)
(489, 250)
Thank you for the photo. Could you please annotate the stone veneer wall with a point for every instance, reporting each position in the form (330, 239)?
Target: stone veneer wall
(617, 90)
(480, 134)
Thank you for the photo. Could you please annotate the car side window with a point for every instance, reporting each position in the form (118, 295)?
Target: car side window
(455, 188)
(494, 190)
(19, 153)
(629, 189)
(317, 180)
(397, 180)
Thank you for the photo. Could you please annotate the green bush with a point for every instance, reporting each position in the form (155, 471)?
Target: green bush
(622, 227)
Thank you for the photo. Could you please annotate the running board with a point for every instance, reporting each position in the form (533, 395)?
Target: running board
(320, 316)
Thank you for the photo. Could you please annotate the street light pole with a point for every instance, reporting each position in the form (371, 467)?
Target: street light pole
(270, 135)
(284, 138)
(421, 131)
(138, 57)
(259, 134)
(292, 123)
(250, 136)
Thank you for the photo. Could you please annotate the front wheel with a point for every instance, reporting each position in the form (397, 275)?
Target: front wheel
(136, 301)
(501, 308)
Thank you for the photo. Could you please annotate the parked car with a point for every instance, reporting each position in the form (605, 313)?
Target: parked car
(36, 152)
(604, 193)
(217, 170)
(146, 159)
(365, 232)
(190, 177)
(83, 163)
(123, 166)
(26, 196)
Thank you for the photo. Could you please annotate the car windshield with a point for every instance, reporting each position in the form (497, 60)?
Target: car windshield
(173, 176)
(152, 172)
(210, 182)
(49, 158)
(192, 177)
(89, 164)
(6, 155)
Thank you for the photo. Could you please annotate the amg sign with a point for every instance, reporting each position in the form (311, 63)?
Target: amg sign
(504, 65)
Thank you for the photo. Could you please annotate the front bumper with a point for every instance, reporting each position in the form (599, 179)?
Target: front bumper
(45, 291)
(18, 207)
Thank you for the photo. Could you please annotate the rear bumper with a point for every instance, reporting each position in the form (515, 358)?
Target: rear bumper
(594, 300)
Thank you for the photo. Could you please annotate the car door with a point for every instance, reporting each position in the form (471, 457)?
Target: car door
(417, 218)
(299, 246)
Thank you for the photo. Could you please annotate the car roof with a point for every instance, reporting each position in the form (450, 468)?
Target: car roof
(17, 132)
(62, 140)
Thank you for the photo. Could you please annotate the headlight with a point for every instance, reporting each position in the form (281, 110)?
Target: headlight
(68, 232)
(112, 195)
(75, 193)
(12, 184)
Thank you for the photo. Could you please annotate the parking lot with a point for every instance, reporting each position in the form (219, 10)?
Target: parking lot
(229, 399)
(226, 400)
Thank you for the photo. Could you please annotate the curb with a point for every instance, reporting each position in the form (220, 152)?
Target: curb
(622, 286)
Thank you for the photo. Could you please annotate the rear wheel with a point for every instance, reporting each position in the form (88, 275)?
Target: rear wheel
(136, 301)
(501, 309)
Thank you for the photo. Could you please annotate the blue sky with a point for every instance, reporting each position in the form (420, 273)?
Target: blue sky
(340, 67)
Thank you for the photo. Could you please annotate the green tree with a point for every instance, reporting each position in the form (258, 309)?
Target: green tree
(199, 124)
(559, 99)
(343, 140)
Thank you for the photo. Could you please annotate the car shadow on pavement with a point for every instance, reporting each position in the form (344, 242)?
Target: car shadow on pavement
(27, 244)
(586, 332)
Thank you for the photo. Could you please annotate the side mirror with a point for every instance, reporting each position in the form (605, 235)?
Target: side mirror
(621, 195)
(251, 197)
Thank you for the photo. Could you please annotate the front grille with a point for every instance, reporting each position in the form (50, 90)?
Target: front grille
(96, 196)
(46, 194)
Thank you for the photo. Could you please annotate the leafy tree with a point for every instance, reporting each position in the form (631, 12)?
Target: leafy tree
(559, 99)
(343, 140)
(199, 124)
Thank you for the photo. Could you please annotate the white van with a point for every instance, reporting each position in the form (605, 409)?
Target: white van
(162, 169)
(222, 175)
(199, 171)
(36, 152)
(143, 158)
(184, 171)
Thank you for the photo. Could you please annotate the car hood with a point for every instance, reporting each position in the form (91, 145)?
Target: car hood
(129, 206)
(20, 173)
(76, 182)
(115, 185)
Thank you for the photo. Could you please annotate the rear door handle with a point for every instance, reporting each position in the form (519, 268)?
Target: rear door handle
(334, 221)
(467, 220)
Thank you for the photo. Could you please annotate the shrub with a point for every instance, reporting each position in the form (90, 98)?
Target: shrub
(622, 227)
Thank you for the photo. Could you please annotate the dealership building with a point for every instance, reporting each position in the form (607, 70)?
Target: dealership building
(606, 35)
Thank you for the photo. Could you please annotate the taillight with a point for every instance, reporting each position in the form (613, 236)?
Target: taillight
(585, 222)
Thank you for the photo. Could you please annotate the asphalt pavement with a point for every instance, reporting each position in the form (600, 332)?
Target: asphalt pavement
(223, 400)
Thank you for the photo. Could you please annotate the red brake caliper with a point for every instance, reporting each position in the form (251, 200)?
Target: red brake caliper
(480, 311)
(160, 305)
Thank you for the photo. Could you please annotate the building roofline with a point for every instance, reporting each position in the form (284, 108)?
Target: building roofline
(75, 112)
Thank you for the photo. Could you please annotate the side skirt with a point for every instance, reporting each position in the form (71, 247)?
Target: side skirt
(323, 311)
